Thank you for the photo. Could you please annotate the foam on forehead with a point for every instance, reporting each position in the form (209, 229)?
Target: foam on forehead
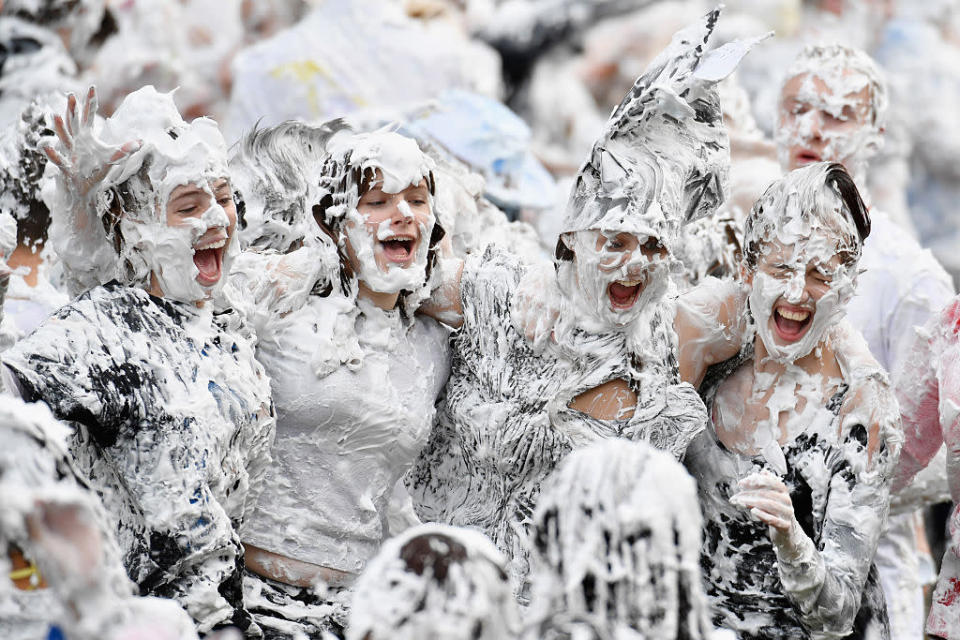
(398, 158)
(844, 70)
(175, 152)
(805, 207)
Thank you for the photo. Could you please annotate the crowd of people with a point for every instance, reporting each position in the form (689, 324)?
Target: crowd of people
(329, 319)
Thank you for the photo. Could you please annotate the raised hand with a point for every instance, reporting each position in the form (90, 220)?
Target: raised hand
(82, 158)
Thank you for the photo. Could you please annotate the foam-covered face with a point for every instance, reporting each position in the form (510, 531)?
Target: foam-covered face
(388, 234)
(797, 292)
(200, 223)
(826, 117)
(618, 273)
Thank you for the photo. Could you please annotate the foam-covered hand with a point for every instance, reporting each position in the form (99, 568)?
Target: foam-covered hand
(82, 158)
(768, 500)
(536, 304)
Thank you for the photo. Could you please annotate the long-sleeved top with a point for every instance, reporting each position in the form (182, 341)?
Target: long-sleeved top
(505, 423)
(173, 425)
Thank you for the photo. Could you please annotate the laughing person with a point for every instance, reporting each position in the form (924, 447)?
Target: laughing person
(171, 414)
(514, 409)
(355, 372)
(795, 466)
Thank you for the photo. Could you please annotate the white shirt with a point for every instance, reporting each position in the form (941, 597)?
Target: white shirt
(346, 437)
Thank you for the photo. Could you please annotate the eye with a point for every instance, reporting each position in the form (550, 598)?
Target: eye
(800, 108)
(614, 244)
(187, 210)
(223, 201)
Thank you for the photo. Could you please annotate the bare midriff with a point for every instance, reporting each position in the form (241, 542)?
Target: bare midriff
(612, 400)
(297, 573)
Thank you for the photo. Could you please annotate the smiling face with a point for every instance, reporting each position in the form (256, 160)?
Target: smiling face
(387, 236)
(789, 288)
(211, 207)
(618, 273)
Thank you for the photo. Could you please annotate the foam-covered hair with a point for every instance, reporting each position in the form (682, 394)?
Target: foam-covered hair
(819, 195)
(275, 170)
(663, 157)
(431, 582)
(616, 545)
(838, 59)
(135, 190)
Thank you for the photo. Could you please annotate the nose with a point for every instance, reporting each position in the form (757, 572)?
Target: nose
(796, 288)
(816, 123)
(402, 209)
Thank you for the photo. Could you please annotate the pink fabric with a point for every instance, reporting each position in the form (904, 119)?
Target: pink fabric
(928, 389)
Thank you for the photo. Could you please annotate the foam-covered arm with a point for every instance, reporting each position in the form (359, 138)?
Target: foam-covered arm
(918, 388)
(276, 284)
(444, 304)
(826, 578)
(710, 325)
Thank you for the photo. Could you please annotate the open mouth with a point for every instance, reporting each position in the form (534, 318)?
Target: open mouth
(399, 249)
(791, 322)
(209, 261)
(806, 156)
(623, 293)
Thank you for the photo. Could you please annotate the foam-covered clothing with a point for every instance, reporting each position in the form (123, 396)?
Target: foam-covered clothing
(173, 424)
(901, 287)
(927, 388)
(504, 423)
(355, 388)
(840, 496)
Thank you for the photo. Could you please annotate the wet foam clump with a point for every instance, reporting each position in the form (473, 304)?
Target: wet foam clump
(434, 581)
(616, 544)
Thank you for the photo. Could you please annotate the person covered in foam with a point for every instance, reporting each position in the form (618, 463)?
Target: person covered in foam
(927, 390)
(515, 406)
(434, 581)
(794, 469)
(616, 547)
(355, 371)
(76, 588)
(833, 107)
(152, 365)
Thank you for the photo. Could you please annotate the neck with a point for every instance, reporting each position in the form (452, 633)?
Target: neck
(811, 363)
(385, 301)
(24, 256)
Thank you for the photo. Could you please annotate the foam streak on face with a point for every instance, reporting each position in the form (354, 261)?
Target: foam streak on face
(378, 266)
(613, 285)
(831, 109)
(800, 285)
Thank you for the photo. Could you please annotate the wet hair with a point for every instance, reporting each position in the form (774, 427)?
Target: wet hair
(349, 184)
(616, 543)
(806, 187)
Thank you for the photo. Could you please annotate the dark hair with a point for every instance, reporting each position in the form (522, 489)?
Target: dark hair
(836, 177)
(360, 181)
